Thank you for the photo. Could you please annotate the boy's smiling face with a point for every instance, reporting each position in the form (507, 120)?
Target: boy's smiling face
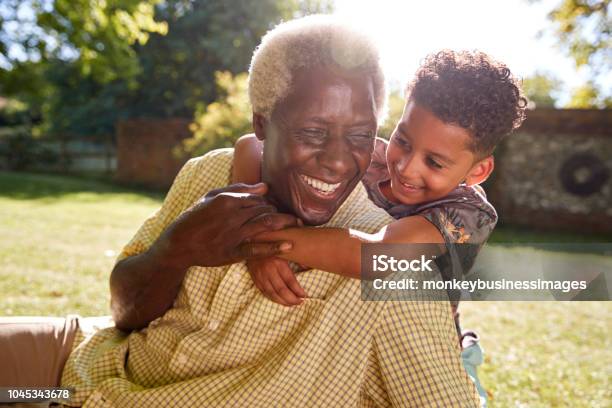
(428, 158)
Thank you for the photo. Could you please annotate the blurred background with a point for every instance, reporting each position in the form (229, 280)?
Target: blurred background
(101, 102)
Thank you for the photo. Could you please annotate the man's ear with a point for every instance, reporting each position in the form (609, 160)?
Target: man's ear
(259, 125)
(480, 171)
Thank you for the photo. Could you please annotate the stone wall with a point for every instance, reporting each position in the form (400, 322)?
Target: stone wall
(145, 151)
(556, 172)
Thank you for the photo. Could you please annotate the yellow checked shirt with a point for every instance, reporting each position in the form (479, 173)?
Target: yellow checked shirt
(223, 344)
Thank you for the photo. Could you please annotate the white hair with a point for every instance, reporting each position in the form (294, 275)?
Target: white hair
(312, 41)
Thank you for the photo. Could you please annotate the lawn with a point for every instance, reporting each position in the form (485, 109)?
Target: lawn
(60, 236)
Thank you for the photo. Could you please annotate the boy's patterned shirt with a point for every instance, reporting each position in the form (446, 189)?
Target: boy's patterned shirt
(224, 344)
(464, 216)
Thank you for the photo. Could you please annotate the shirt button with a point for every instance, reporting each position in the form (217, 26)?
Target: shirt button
(182, 359)
(213, 324)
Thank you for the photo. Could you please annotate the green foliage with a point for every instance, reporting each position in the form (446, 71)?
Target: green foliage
(72, 53)
(588, 96)
(13, 112)
(583, 30)
(203, 37)
(396, 108)
(540, 89)
(101, 32)
(90, 63)
(19, 150)
(220, 123)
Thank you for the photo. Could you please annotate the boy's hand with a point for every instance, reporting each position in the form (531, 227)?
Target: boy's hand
(275, 279)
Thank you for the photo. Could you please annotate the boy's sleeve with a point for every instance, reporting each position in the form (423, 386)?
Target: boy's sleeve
(469, 223)
(418, 357)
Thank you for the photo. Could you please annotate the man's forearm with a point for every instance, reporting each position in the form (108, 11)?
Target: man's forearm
(210, 233)
(143, 287)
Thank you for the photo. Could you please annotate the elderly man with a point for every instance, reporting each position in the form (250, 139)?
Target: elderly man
(201, 333)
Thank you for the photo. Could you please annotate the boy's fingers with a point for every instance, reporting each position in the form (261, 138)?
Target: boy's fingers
(283, 291)
(271, 294)
(291, 281)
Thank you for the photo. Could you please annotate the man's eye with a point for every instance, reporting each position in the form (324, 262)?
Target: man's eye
(313, 132)
(312, 135)
(365, 137)
(433, 163)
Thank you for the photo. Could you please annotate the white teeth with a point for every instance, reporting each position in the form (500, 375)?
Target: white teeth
(410, 186)
(320, 185)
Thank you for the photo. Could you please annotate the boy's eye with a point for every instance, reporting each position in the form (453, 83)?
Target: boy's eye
(401, 142)
(433, 163)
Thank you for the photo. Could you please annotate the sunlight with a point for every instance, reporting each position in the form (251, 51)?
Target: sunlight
(506, 29)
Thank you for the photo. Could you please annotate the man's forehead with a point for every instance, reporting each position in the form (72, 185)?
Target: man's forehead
(315, 88)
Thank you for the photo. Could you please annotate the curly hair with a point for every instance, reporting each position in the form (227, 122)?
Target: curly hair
(312, 41)
(471, 90)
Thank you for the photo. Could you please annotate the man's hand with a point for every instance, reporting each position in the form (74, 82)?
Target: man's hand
(216, 231)
(273, 277)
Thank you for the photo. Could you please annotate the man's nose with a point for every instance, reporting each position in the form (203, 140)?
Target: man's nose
(336, 157)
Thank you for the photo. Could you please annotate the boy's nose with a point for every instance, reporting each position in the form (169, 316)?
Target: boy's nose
(408, 166)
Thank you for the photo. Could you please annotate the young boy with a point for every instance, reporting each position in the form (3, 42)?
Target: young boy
(458, 108)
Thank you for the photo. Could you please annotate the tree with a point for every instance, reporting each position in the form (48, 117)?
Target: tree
(587, 96)
(583, 30)
(61, 56)
(220, 123)
(97, 35)
(396, 108)
(540, 89)
(203, 37)
(86, 64)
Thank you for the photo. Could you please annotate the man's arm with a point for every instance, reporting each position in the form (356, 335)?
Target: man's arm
(211, 233)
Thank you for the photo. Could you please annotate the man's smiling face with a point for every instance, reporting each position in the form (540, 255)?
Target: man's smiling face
(318, 143)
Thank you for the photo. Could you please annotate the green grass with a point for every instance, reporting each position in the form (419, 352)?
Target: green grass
(512, 234)
(544, 354)
(60, 236)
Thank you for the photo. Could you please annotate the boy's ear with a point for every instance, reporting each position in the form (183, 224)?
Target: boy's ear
(480, 171)
(259, 125)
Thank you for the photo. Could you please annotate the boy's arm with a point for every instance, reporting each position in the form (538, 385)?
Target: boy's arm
(338, 250)
(247, 160)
